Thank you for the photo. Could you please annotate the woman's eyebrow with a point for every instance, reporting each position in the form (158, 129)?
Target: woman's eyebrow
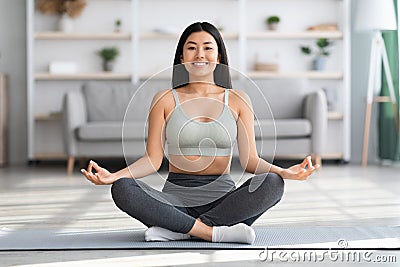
(192, 42)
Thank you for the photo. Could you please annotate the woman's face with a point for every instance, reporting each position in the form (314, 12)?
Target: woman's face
(200, 54)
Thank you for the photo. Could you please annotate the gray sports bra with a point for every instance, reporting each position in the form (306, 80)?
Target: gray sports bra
(187, 136)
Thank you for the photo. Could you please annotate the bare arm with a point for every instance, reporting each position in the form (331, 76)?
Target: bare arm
(147, 164)
(249, 159)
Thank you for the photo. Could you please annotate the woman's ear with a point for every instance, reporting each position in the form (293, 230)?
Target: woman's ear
(219, 58)
(181, 58)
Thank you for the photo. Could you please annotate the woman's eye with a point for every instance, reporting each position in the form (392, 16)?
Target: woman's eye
(191, 48)
(209, 48)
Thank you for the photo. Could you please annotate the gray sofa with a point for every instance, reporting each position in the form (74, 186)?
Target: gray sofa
(290, 118)
(108, 119)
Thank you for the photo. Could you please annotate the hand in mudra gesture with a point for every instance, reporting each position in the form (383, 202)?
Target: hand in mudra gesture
(101, 177)
(300, 171)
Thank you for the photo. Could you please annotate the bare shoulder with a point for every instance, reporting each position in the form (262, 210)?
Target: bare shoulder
(163, 98)
(239, 97)
(162, 95)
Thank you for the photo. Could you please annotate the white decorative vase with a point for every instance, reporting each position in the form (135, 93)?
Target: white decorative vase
(273, 26)
(66, 23)
(319, 63)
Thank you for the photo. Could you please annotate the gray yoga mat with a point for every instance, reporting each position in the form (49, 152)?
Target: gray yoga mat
(271, 237)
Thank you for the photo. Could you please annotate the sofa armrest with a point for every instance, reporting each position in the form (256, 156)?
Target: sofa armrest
(316, 111)
(74, 115)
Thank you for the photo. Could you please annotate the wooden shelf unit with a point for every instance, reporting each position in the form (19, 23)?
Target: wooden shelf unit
(175, 36)
(295, 35)
(335, 115)
(330, 75)
(3, 120)
(240, 38)
(81, 36)
(83, 76)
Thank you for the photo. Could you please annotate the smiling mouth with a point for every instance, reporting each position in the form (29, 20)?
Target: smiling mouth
(200, 64)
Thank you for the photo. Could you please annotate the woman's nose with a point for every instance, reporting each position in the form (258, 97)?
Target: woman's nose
(200, 53)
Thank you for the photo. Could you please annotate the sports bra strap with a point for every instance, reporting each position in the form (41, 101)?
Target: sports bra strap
(175, 97)
(226, 96)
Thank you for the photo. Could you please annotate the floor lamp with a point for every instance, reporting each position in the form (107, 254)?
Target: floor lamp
(376, 16)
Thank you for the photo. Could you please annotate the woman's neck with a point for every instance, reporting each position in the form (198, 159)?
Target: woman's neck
(202, 80)
(201, 88)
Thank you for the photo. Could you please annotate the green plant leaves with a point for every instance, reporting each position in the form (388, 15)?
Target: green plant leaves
(108, 53)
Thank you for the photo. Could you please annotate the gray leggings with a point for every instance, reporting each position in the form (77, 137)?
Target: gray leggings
(168, 210)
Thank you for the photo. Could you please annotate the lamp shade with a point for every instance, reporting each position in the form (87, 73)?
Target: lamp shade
(375, 15)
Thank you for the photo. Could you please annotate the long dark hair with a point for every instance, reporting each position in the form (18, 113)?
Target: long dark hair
(180, 76)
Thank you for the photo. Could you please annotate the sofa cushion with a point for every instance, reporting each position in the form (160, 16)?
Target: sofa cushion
(285, 97)
(107, 101)
(116, 101)
(142, 97)
(111, 131)
(285, 128)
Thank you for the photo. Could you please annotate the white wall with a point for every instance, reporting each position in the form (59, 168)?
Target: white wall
(13, 63)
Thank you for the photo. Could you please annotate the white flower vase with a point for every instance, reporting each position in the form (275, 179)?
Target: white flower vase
(319, 63)
(272, 26)
(66, 23)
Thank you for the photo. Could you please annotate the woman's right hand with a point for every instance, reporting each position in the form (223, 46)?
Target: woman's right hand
(101, 177)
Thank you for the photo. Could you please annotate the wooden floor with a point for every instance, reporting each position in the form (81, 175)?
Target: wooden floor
(46, 197)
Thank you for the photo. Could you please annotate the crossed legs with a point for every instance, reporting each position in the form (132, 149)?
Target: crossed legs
(225, 220)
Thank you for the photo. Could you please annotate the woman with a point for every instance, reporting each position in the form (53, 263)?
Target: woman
(200, 119)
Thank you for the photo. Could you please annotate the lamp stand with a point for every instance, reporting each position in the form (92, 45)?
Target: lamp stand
(378, 53)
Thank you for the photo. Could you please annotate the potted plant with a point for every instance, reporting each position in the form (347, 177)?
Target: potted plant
(108, 55)
(117, 25)
(67, 9)
(320, 55)
(272, 22)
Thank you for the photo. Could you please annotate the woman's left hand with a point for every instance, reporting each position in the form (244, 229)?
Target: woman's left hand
(300, 171)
